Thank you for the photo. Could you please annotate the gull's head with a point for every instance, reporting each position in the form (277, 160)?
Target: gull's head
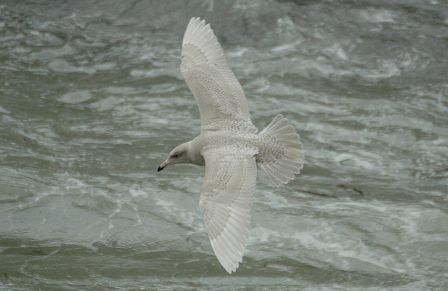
(177, 156)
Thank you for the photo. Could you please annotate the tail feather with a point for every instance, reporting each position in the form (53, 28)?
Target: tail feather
(282, 156)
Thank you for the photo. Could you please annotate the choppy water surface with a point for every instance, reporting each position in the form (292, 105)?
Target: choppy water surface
(91, 100)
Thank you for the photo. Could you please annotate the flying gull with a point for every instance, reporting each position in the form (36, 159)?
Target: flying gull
(229, 145)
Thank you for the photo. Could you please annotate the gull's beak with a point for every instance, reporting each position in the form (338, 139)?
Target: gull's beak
(162, 166)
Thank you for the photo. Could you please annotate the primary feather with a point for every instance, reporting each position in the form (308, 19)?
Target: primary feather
(218, 93)
(226, 200)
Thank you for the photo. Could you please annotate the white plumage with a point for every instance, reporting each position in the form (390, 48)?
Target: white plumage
(226, 199)
(217, 91)
(228, 145)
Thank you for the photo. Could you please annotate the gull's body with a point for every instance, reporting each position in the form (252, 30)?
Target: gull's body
(229, 145)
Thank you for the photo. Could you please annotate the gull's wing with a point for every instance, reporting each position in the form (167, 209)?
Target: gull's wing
(226, 199)
(218, 93)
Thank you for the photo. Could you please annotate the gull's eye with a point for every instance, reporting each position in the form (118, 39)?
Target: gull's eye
(175, 155)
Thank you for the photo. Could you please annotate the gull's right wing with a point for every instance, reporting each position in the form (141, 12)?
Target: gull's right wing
(226, 200)
(218, 93)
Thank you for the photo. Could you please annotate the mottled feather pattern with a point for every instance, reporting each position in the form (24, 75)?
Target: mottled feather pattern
(226, 200)
(281, 155)
(207, 74)
(229, 145)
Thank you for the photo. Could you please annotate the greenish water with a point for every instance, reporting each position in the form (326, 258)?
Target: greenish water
(91, 100)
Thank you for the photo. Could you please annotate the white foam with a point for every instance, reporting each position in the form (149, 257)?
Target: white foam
(3, 110)
(378, 15)
(62, 66)
(75, 97)
(138, 193)
(107, 103)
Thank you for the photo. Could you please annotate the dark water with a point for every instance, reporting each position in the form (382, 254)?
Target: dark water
(91, 100)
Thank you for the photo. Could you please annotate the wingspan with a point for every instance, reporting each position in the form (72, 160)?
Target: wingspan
(226, 200)
(218, 93)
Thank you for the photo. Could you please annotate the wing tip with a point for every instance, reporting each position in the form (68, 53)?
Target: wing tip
(195, 22)
(196, 28)
(232, 268)
(227, 262)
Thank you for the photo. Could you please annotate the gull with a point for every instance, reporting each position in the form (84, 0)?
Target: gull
(229, 146)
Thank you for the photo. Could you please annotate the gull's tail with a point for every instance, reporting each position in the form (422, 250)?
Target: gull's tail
(282, 155)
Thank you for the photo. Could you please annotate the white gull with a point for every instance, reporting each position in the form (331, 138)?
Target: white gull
(229, 145)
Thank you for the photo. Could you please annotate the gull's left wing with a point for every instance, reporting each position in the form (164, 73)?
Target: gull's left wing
(226, 200)
(218, 93)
